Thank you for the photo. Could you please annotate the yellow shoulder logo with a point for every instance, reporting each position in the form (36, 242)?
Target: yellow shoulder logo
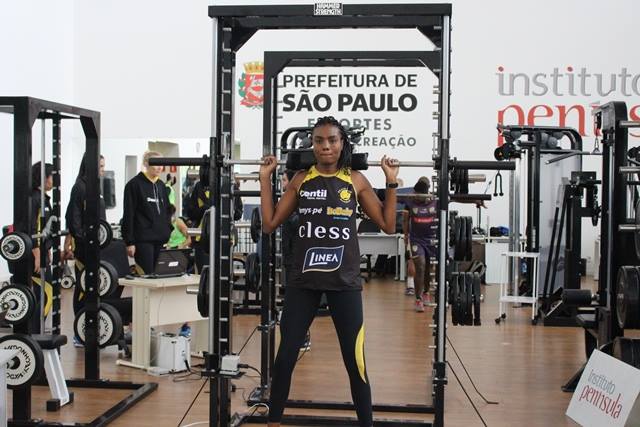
(345, 195)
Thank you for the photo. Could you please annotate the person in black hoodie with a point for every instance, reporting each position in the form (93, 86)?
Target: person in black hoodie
(146, 221)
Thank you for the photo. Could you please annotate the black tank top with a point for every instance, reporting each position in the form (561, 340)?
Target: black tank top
(326, 255)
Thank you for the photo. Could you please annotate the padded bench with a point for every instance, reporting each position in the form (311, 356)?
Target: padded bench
(53, 368)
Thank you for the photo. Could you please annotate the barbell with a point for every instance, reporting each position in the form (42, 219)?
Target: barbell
(303, 159)
(16, 246)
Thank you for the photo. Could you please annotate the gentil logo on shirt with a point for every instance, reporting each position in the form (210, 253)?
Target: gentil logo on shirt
(314, 195)
(323, 259)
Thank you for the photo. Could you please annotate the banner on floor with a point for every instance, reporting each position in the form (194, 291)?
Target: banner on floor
(607, 394)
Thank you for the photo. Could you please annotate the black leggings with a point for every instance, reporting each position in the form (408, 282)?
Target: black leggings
(300, 307)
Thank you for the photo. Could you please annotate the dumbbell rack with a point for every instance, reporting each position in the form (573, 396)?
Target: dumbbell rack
(26, 111)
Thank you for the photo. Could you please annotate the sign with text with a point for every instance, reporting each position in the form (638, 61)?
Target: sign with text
(606, 394)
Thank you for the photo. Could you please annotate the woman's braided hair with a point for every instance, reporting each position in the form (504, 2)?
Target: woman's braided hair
(344, 162)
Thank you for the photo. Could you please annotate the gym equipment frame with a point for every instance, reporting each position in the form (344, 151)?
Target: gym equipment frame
(602, 327)
(274, 64)
(26, 111)
(232, 27)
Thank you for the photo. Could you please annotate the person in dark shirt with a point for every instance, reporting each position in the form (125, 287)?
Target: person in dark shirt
(420, 227)
(40, 219)
(198, 203)
(326, 258)
(146, 221)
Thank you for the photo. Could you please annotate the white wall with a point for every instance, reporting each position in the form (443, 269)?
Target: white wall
(146, 65)
(37, 60)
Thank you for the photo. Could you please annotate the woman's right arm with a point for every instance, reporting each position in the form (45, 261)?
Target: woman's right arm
(273, 216)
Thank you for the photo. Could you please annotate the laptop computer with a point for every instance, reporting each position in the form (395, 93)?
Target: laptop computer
(172, 263)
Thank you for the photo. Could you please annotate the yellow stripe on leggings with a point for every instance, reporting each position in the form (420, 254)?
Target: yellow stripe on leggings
(360, 355)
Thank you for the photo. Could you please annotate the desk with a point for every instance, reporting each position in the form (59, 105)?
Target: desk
(158, 302)
(385, 244)
(5, 356)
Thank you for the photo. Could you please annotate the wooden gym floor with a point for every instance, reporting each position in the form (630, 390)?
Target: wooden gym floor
(519, 365)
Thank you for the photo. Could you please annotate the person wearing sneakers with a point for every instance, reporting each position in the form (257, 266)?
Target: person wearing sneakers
(146, 220)
(326, 256)
(420, 228)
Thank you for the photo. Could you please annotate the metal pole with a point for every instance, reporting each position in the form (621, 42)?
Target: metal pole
(214, 404)
(43, 246)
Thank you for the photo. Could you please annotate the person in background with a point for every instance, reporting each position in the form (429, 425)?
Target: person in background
(179, 239)
(420, 228)
(198, 203)
(146, 221)
(40, 215)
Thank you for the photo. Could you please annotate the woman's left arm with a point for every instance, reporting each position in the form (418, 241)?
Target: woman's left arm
(384, 215)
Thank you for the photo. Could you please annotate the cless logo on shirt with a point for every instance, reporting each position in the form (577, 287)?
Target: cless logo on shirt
(323, 259)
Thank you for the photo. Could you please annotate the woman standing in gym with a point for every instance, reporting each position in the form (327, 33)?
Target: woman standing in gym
(146, 219)
(326, 256)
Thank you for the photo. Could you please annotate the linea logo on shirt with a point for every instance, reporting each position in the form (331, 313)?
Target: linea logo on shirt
(323, 259)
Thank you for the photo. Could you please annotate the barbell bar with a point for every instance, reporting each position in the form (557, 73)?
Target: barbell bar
(460, 164)
(629, 124)
(628, 228)
(629, 169)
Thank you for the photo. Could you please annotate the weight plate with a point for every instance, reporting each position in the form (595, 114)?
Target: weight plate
(203, 292)
(205, 228)
(105, 234)
(455, 296)
(458, 236)
(20, 303)
(67, 282)
(15, 246)
(636, 234)
(107, 279)
(462, 286)
(256, 225)
(623, 350)
(252, 272)
(469, 241)
(627, 307)
(468, 320)
(109, 325)
(476, 299)
(27, 365)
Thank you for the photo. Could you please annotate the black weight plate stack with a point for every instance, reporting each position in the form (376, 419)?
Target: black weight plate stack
(476, 299)
(27, 365)
(627, 307)
(462, 286)
(203, 292)
(460, 245)
(469, 303)
(455, 298)
(469, 236)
